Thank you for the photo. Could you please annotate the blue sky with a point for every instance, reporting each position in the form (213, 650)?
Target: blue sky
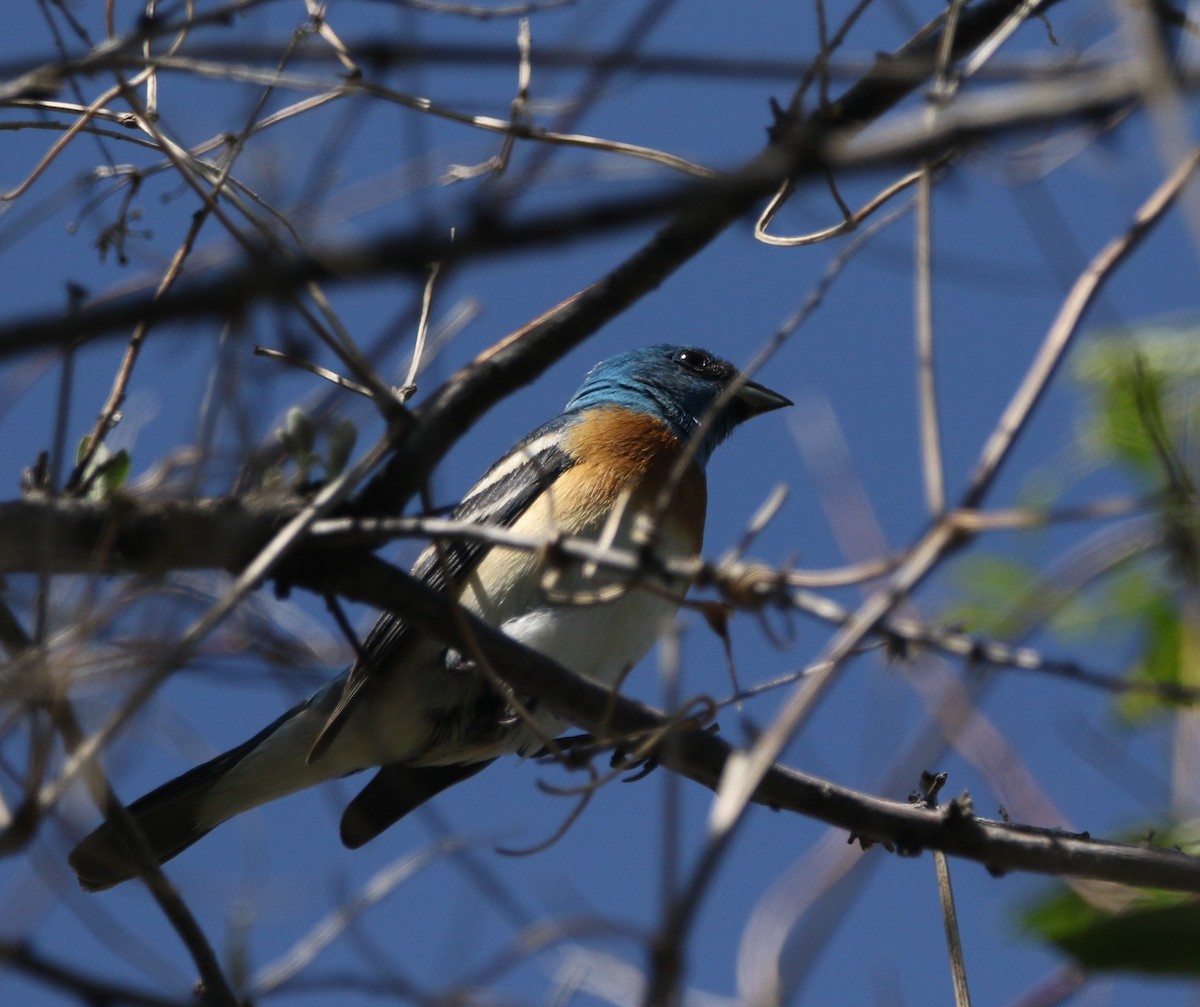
(1014, 222)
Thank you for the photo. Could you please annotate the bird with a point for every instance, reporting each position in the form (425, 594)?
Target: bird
(425, 714)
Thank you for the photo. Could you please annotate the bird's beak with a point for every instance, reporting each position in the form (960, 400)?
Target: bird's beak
(756, 399)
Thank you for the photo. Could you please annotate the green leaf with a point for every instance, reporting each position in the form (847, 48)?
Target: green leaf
(998, 597)
(1158, 933)
(989, 588)
(297, 437)
(106, 473)
(116, 472)
(341, 437)
(1162, 640)
(1120, 425)
(301, 432)
(82, 446)
(1144, 380)
(98, 459)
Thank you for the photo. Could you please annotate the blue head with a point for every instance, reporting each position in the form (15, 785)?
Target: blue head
(677, 384)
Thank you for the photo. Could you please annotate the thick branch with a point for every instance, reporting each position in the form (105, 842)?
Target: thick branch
(149, 537)
(701, 756)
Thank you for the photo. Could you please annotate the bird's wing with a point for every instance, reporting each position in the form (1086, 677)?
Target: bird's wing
(504, 493)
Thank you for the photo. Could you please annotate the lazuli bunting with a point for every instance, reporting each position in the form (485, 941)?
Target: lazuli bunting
(421, 711)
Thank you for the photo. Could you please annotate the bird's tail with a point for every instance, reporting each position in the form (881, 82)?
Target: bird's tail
(183, 810)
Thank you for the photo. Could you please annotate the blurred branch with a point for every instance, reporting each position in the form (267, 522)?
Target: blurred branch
(264, 562)
(398, 52)
(379, 886)
(702, 209)
(213, 988)
(88, 989)
(701, 212)
(974, 119)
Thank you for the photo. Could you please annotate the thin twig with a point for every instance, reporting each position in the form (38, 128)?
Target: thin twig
(320, 372)
(850, 222)
(380, 885)
(410, 382)
(931, 784)
(932, 466)
(932, 469)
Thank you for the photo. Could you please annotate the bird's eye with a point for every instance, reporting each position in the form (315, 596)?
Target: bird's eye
(700, 363)
(704, 365)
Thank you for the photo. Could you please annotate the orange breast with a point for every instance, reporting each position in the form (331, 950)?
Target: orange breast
(619, 450)
(616, 451)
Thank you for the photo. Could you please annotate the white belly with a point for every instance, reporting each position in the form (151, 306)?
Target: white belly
(601, 642)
